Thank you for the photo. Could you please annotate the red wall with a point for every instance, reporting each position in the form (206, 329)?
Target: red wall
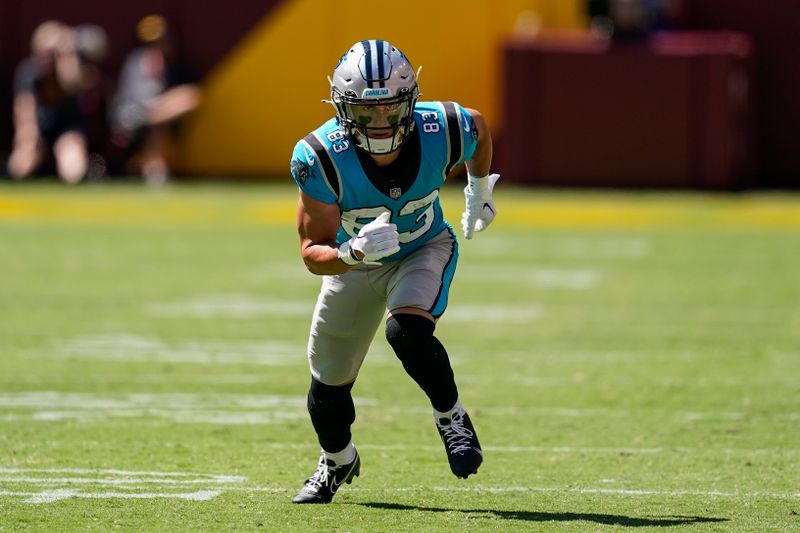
(672, 112)
(774, 26)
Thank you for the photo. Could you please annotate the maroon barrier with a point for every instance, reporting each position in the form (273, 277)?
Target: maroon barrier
(775, 29)
(672, 112)
(204, 30)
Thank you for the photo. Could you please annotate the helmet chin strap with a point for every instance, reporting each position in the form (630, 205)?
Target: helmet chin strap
(380, 146)
(383, 146)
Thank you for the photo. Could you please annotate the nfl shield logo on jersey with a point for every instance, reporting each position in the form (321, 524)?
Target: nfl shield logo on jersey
(395, 193)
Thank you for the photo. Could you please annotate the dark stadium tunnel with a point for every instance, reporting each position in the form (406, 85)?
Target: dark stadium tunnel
(533, 516)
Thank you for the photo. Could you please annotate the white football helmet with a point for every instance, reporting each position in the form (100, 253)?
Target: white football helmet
(374, 90)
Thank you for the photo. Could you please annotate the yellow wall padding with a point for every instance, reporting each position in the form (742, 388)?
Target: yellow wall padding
(266, 94)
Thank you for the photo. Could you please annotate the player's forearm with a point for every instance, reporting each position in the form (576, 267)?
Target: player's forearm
(323, 259)
(481, 162)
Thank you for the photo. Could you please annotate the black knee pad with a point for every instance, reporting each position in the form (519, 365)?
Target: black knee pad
(423, 357)
(332, 413)
(409, 335)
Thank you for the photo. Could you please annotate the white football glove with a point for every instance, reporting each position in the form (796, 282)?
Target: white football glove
(480, 209)
(376, 240)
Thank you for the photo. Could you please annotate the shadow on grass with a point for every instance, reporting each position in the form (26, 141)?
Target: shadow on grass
(531, 516)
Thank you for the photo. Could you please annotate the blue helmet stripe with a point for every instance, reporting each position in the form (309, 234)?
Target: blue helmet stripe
(381, 63)
(368, 60)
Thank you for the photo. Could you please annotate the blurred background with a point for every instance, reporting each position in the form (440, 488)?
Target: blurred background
(632, 93)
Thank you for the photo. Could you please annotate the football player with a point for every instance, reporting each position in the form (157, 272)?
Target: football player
(371, 225)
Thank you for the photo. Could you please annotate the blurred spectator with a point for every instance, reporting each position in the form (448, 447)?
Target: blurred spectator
(46, 112)
(154, 91)
(632, 20)
(91, 45)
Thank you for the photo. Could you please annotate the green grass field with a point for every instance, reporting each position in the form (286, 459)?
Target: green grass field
(631, 362)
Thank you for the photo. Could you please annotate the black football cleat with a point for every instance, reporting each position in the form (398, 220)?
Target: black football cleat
(461, 443)
(323, 484)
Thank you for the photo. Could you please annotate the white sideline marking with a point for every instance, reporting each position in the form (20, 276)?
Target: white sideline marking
(128, 479)
(223, 409)
(507, 449)
(167, 400)
(230, 484)
(244, 409)
(552, 490)
(112, 471)
(572, 412)
(581, 378)
(529, 449)
(232, 305)
(561, 449)
(693, 416)
(128, 347)
(596, 490)
(181, 408)
(208, 494)
(213, 378)
(63, 494)
(221, 418)
(239, 306)
(43, 497)
(114, 481)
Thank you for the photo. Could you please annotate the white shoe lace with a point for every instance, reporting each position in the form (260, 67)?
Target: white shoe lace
(457, 437)
(320, 477)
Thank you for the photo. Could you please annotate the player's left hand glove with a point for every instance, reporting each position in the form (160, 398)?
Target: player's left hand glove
(480, 209)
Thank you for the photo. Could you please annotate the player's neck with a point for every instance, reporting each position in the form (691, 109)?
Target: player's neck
(383, 160)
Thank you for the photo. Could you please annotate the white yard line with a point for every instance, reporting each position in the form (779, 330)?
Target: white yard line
(216, 484)
(167, 400)
(126, 479)
(553, 490)
(128, 347)
(581, 379)
(232, 305)
(108, 481)
(63, 494)
(116, 472)
(529, 449)
(602, 491)
(222, 409)
(558, 449)
(241, 306)
(254, 409)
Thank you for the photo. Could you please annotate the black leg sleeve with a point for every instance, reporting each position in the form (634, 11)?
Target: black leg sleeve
(423, 357)
(332, 413)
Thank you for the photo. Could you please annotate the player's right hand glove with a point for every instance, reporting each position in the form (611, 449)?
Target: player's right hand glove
(376, 240)
(480, 209)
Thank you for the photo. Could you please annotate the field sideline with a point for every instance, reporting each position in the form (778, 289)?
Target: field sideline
(630, 360)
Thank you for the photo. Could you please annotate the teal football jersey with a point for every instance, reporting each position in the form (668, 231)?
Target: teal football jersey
(327, 167)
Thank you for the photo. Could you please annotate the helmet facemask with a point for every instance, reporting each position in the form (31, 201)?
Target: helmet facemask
(374, 91)
(377, 126)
